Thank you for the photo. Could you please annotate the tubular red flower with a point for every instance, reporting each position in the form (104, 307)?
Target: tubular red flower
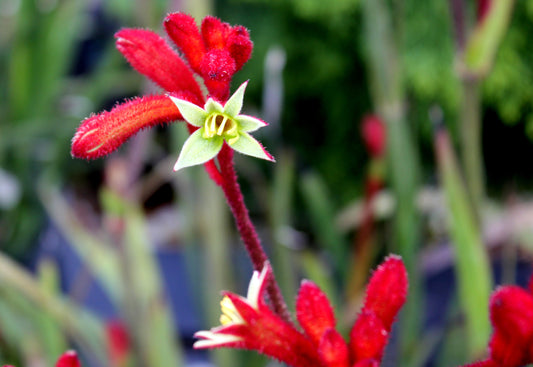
(151, 56)
(313, 311)
(387, 290)
(248, 323)
(101, 134)
(68, 359)
(183, 31)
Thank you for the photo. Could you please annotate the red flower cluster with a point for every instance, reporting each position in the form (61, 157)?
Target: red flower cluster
(511, 313)
(249, 323)
(215, 52)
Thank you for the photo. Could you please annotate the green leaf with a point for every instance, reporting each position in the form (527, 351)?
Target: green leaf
(198, 150)
(472, 263)
(249, 123)
(246, 144)
(234, 105)
(193, 114)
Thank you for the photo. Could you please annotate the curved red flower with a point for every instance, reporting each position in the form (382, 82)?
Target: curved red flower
(249, 323)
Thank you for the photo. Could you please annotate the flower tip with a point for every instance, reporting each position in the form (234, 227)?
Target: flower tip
(68, 359)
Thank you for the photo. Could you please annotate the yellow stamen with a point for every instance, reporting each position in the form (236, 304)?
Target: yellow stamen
(230, 315)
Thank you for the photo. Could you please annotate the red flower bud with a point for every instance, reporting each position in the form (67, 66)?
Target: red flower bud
(118, 341)
(150, 55)
(511, 312)
(387, 290)
(368, 337)
(101, 134)
(68, 359)
(374, 135)
(182, 29)
(215, 33)
(313, 311)
(240, 46)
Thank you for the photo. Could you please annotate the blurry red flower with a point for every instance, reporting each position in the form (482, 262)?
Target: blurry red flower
(249, 323)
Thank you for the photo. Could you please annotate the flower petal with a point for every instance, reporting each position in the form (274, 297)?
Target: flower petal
(213, 106)
(234, 105)
(68, 359)
(150, 55)
(198, 150)
(246, 144)
(101, 134)
(249, 123)
(313, 311)
(182, 29)
(387, 290)
(212, 339)
(193, 114)
(257, 284)
(368, 337)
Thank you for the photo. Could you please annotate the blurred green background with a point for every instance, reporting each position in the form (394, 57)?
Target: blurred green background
(317, 69)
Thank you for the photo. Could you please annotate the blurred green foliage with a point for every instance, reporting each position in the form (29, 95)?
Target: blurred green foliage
(44, 95)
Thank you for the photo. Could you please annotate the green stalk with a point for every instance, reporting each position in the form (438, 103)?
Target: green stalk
(388, 96)
(472, 263)
(472, 150)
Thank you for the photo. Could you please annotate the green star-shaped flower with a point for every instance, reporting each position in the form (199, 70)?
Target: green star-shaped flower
(217, 124)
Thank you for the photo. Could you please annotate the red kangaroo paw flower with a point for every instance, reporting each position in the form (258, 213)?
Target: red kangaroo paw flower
(249, 323)
(101, 134)
(183, 31)
(368, 337)
(313, 311)
(387, 290)
(151, 56)
(68, 359)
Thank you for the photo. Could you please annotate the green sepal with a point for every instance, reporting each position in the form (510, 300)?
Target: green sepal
(246, 144)
(234, 105)
(249, 123)
(198, 150)
(191, 113)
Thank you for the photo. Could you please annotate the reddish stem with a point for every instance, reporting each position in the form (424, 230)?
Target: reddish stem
(235, 199)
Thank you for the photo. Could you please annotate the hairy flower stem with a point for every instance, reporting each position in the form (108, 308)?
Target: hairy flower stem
(235, 199)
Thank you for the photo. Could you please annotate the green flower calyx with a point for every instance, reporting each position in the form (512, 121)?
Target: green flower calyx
(218, 124)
